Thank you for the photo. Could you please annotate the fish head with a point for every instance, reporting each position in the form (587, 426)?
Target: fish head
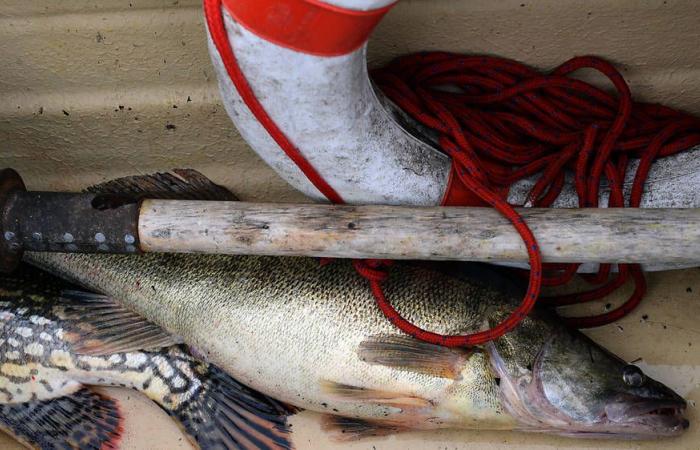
(559, 381)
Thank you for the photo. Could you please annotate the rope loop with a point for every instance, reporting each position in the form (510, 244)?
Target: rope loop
(374, 270)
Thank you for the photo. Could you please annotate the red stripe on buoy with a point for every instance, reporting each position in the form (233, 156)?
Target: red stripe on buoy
(307, 26)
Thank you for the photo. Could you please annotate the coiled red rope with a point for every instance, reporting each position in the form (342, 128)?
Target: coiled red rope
(506, 122)
(522, 122)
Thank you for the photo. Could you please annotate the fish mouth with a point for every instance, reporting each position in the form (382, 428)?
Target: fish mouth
(626, 417)
(648, 417)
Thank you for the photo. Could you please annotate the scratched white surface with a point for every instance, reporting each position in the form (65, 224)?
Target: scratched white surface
(337, 123)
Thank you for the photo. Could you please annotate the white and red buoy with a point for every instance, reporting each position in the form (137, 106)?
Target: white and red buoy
(306, 63)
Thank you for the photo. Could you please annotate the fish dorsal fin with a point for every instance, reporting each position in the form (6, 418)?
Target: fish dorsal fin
(181, 184)
(100, 326)
(84, 419)
(407, 353)
(227, 414)
(345, 429)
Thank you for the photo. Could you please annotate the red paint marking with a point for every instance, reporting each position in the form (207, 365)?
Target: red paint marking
(307, 26)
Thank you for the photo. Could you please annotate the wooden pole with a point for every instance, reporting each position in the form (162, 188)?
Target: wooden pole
(648, 236)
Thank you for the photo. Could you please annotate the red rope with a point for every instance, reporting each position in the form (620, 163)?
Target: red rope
(508, 122)
(522, 122)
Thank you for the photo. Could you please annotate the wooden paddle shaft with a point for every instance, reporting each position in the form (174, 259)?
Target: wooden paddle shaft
(619, 235)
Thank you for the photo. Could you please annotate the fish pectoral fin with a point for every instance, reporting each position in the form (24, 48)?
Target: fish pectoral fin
(350, 429)
(100, 326)
(181, 184)
(398, 400)
(84, 419)
(410, 354)
(230, 415)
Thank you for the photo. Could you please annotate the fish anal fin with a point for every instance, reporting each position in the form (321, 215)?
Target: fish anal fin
(227, 414)
(103, 327)
(409, 354)
(181, 184)
(344, 429)
(84, 419)
(398, 400)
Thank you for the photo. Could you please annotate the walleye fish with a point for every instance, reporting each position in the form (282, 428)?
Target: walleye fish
(52, 345)
(313, 337)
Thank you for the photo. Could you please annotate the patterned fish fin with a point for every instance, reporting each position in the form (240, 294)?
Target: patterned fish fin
(226, 414)
(407, 353)
(100, 326)
(181, 184)
(345, 429)
(399, 400)
(83, 420)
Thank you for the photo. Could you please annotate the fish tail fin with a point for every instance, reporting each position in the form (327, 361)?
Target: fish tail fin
(84, 419)
(227, 414)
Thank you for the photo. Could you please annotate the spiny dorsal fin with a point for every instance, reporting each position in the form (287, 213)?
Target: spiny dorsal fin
(181, 184)
(407, 353)
(100, 326)
(227, 414)
(81, 420)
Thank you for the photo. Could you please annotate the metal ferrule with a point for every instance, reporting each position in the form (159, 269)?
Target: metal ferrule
(61, 222)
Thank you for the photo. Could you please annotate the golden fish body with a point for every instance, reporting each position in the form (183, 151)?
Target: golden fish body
(312, 336)
(290, 327)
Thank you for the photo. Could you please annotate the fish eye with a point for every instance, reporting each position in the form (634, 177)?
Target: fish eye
(633, 376)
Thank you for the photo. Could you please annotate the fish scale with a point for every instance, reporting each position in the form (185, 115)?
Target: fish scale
(38, 361)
